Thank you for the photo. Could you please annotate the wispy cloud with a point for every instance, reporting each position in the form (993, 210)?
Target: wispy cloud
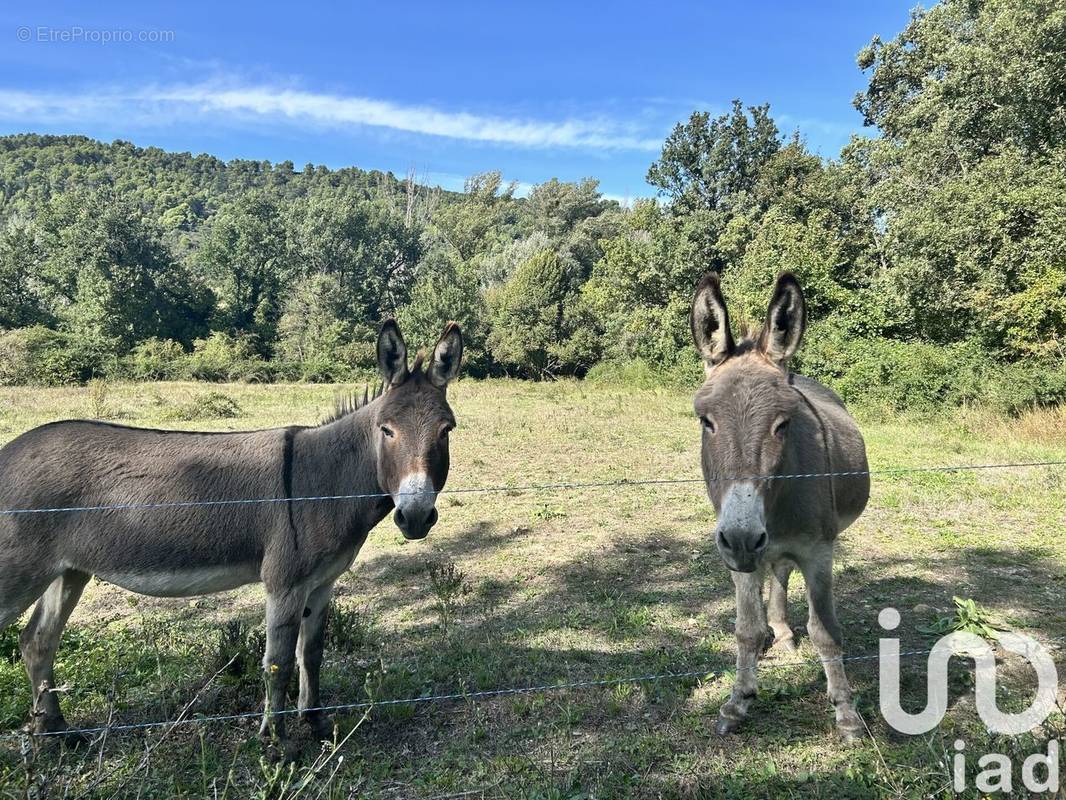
(267, 103)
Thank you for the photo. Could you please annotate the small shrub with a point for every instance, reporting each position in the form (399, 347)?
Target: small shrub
(221, 357)
(240, 652)
(39, 356)
(9, 644)
(449, 584)
(155, 360)
(348, 630)
(213, 405)
(98, 398)
(636, 373)
(1016, 388)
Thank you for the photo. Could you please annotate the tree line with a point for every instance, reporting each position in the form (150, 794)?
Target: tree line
(932, 253)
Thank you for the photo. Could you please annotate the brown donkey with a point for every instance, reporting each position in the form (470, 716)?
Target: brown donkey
(761, 420)
(394, 447)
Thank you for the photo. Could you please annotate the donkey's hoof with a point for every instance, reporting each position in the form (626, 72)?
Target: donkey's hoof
(849, 737)
(321, 725)
(280, 751)
(726, 726)
(850, 729)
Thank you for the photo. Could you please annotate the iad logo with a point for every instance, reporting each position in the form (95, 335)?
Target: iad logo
(973, 646)
(997, 773)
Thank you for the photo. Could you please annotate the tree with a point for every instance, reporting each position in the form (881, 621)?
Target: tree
(447, 290)
(537, 329)
(476, 222)
(969, 77)
(710, 164)
(245, 259)
(557, 208)
(108, 277)
(20, 300)
(311, 327)
(964, 191)
(365, 245)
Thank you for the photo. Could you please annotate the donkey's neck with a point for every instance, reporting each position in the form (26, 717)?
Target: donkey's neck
(339, 458)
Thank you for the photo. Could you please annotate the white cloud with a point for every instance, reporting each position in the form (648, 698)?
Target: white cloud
(266, 103)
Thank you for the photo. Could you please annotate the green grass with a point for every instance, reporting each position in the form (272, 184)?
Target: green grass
(524, 588)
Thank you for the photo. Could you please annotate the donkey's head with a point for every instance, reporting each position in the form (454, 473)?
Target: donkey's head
(745, 406)
(412, 422)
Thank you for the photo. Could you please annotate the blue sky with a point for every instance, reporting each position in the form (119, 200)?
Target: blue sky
(535, 89)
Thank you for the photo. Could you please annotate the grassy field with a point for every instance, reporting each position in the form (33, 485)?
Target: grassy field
(527, 588)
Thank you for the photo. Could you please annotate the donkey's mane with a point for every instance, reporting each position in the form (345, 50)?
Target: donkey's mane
(346, 403)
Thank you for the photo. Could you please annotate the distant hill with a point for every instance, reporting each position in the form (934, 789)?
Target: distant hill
(179, 190)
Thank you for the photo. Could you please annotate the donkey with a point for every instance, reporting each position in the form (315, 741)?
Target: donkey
(758, 420)
(393, 448)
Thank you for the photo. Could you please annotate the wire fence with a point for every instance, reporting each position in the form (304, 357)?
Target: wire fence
(702, 673)
(705, 673)
(529, 487)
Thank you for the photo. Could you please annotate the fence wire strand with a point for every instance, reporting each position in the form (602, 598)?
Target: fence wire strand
(703, 673)
(529, 487)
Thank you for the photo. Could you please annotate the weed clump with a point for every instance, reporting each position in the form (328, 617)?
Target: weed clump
(213, 405)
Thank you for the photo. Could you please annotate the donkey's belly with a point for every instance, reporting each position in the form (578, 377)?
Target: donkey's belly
(183, 582)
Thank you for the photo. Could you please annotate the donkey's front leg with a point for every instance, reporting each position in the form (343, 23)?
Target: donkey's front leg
(751, 636)
(284, 611)
(824, 630)
(309, 654)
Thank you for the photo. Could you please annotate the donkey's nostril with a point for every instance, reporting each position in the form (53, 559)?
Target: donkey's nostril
(431, 520)
(723, 541)
(760, 543)
(400, 519)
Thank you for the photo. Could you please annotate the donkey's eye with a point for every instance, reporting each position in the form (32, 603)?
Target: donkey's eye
(445, 430)
(708, 424)
(385, 429)
(781, 427)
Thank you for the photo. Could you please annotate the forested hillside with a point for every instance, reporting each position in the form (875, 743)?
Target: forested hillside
(933, 252)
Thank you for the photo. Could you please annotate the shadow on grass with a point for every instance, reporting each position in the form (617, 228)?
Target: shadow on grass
(642, 604)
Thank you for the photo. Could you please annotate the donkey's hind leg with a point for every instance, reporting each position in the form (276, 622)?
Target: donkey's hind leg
(777, 606)
(751, 635)
(39, 641)
(824, 630)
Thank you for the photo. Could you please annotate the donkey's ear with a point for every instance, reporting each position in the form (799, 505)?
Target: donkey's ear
(392, 354)
(710, 322)
(447, 356)
(786, 319)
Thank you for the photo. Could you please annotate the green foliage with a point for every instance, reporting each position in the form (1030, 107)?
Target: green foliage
(213, 405)
(41, 356)
(447, 291)
(931, 255)
(221, 357)
(156, 360)
(537, 325)
(107, 276)
(969, 617)
(311, 333)
(923, 376)
(245, 258)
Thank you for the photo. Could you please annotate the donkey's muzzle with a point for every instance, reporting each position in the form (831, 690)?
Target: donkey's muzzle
(741, 549)
(416, 506)
(414, 529)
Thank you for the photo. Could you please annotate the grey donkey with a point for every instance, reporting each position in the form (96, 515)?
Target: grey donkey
(759, 419)
(394, 446)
